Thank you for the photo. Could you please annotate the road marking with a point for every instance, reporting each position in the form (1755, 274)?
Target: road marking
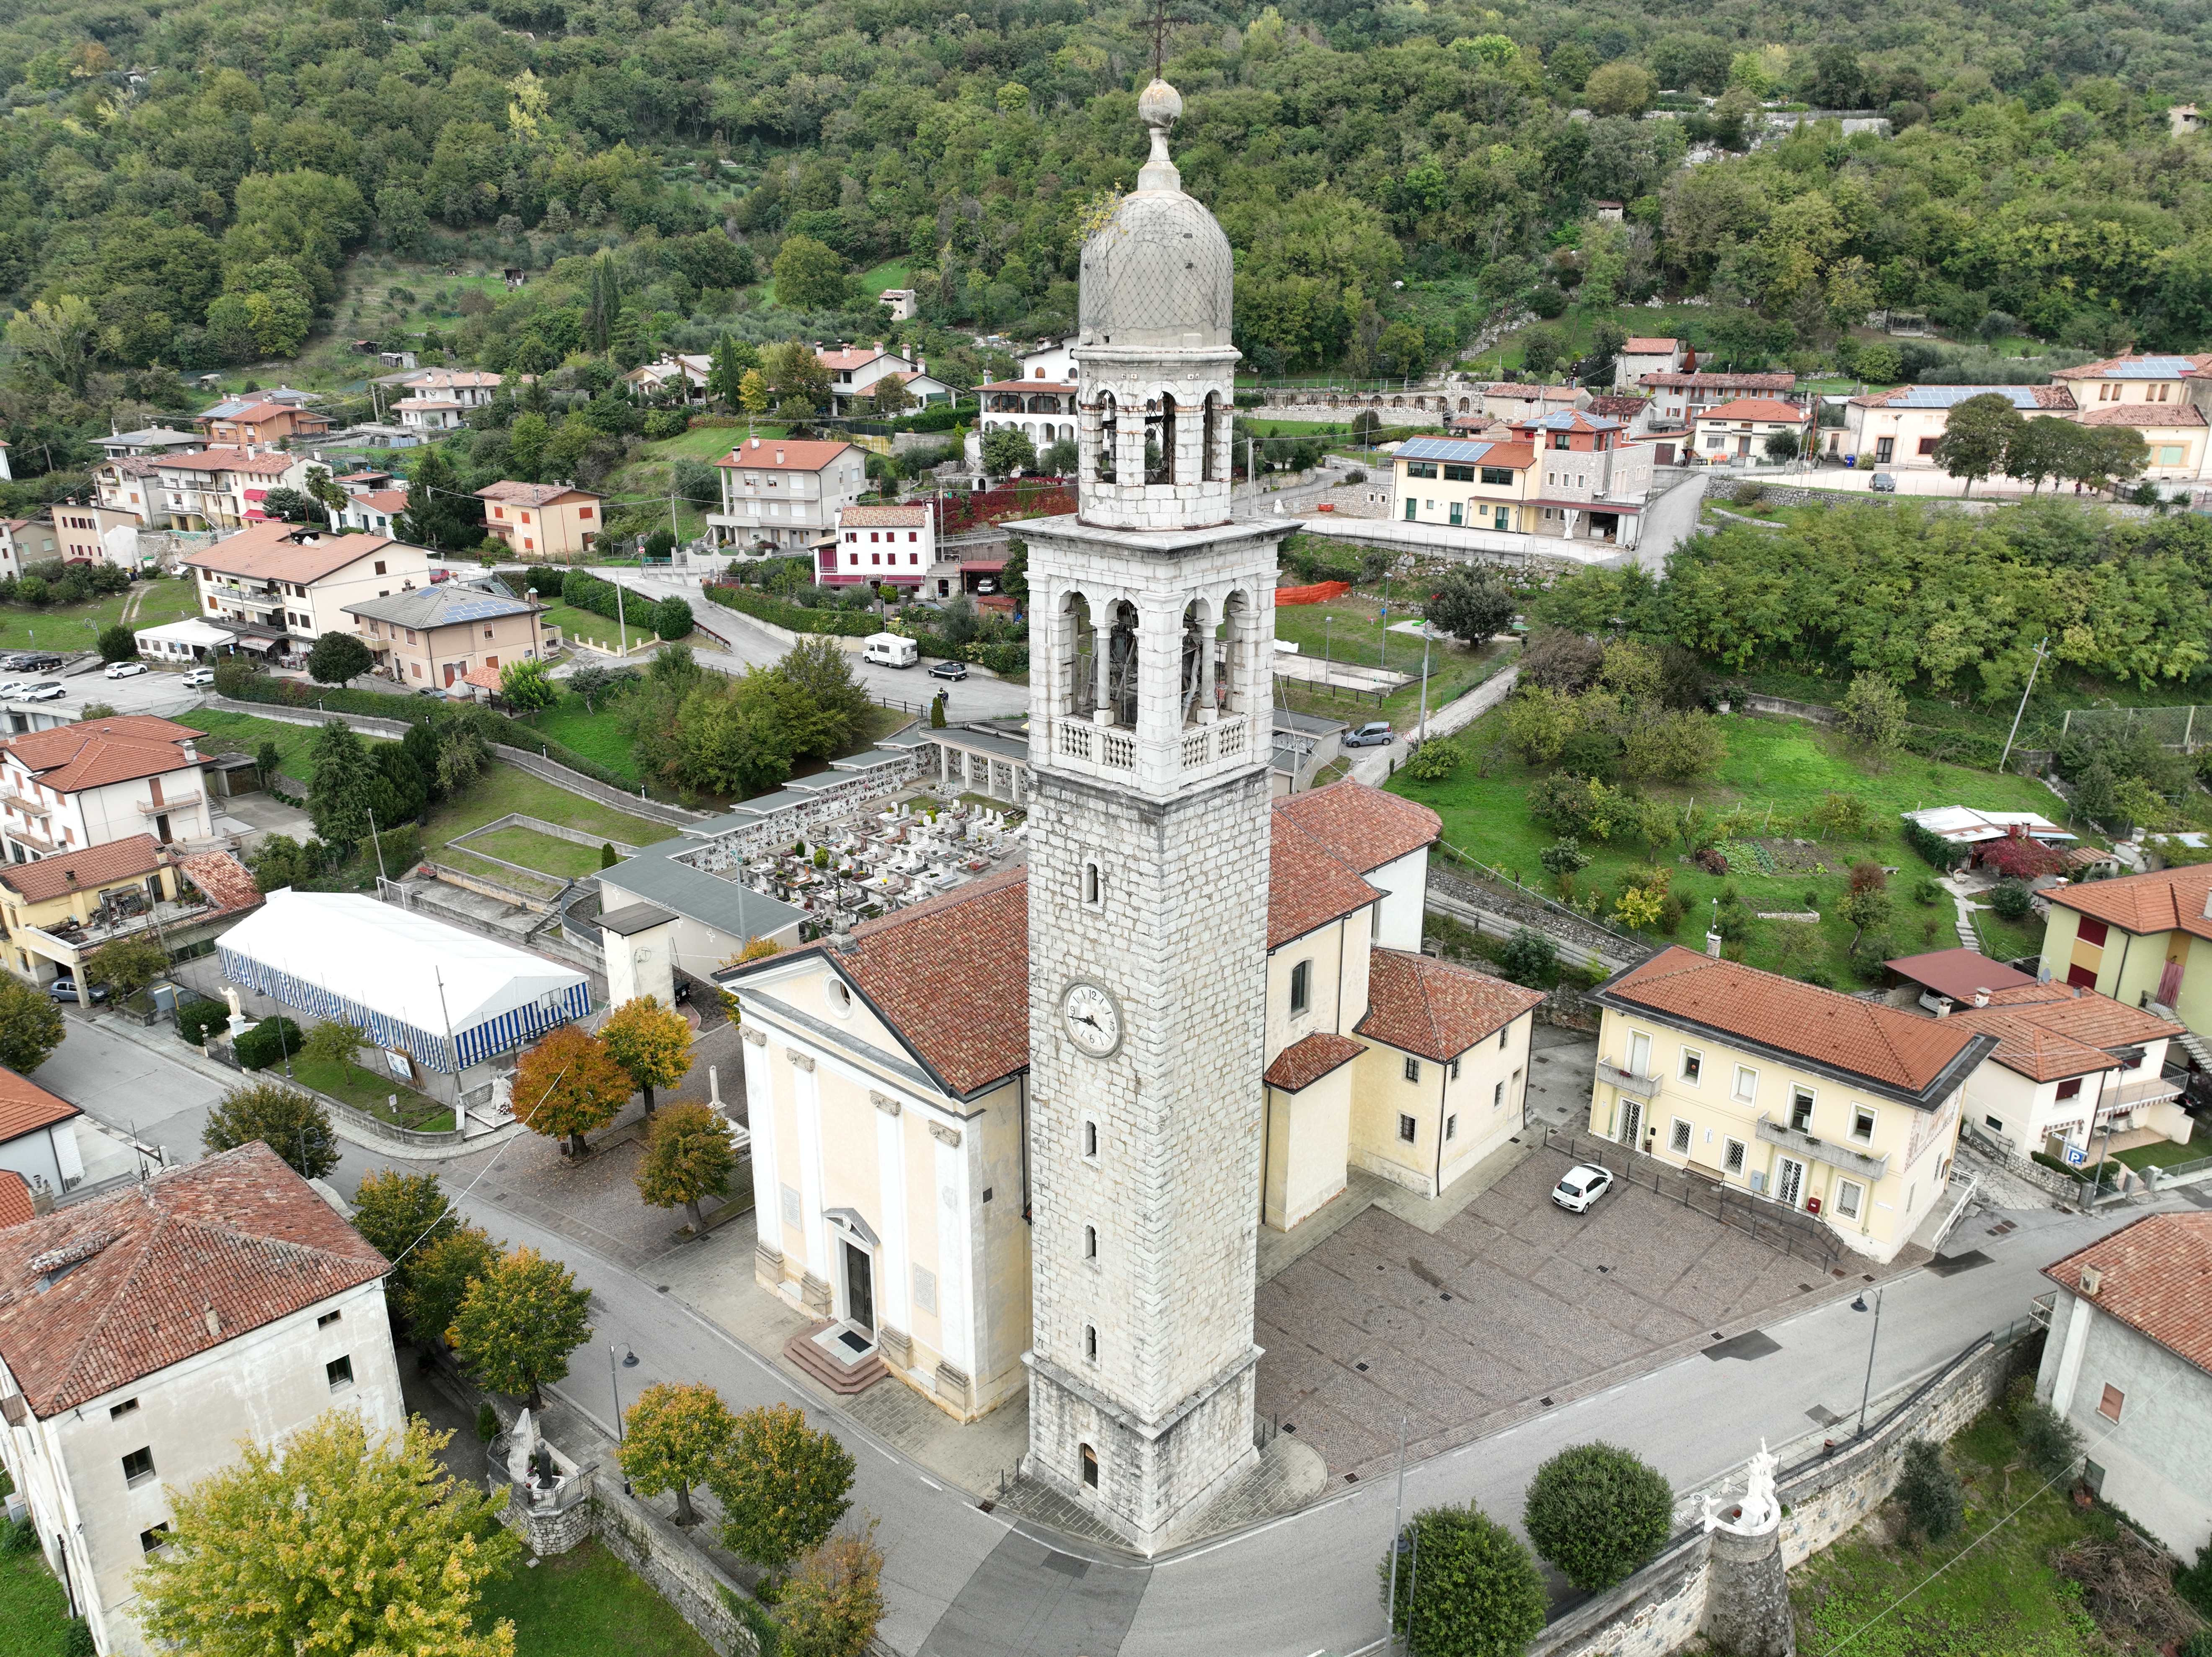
(932, 1483)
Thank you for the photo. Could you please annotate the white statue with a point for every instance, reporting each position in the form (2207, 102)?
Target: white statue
(521, 1445)
(239, 1022)
(502, 1095)
(1759, 1511)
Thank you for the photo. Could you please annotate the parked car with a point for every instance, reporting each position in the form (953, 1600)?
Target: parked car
(124, 670)
(12, 688)
(1581, 1185)
(948, 670)
(47, 690)
(1376, 733)
(199, 675)
(1884, 483)
(64, 989)
(37, 662)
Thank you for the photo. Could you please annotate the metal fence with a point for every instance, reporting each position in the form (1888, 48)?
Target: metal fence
(1798, 1234)
(2170, 727)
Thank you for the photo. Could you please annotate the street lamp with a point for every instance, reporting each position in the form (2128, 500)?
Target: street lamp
(628, 1361)
(1867, 1390)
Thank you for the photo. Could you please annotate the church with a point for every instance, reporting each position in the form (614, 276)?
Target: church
(1020, 1139)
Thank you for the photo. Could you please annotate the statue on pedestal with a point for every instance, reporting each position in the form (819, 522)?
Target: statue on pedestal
(521, 1445)
(1759, 1511)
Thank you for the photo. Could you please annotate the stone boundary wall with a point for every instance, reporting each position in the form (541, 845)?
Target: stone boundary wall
(523, 819)
(1578, 941)
(701, 1592)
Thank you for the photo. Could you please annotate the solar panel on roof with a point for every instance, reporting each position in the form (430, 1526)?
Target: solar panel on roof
(1439, 448)
(2150, 368)
(1950, 397)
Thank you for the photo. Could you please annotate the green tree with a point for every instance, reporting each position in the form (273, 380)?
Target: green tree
(1874, 714)
(126, 965)
(334, 1041)
(330, 1541)
(518, 1322)
(725, 373)
(1620, 88)
(441, 511)
(2048, 1440)
(810, 275)
(1530, 959)
(1007, 450)
(1976, 435)
(1929, 1491)
(568, 1084)
(297, 1125)
(118, 644)
(2042, 448)
(402, 1215)
(1471, 604)
(752, 392)
(1479, 1594)
(834, 1599)
(688, 1157)
(61, 337)
(1866, 902)
(525, 687)
(1598, 1512)
(31, 1026)
(336, 657)
(841, 703)
(1541, 349)
(672, 1438)
(1014, 576)
(525, 446)
(782, 1484)
(673, 618)
(343, 778)
(440, 1275)
(652, 1042)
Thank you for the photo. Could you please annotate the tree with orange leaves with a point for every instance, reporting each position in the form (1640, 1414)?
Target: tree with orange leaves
(568, 1084)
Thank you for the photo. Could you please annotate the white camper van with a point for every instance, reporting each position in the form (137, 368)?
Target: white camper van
(889, 650)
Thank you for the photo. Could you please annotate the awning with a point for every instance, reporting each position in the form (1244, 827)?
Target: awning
(259, 644)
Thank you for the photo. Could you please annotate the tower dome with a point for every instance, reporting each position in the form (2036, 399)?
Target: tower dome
(1158, 272)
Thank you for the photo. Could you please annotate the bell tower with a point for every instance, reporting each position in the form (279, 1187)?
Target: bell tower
(1151, 623)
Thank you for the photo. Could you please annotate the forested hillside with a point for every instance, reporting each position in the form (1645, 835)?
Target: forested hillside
(182, 186)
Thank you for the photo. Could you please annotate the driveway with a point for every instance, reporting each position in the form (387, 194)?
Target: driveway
(1668, 521)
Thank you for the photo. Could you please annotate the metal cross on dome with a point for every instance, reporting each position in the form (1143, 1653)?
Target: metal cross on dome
(1158, 22)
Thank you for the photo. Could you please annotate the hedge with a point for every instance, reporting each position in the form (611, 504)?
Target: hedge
(1982, 752)
(794, 618)
(1941, 853)
(272, 1041)
(196, 1019)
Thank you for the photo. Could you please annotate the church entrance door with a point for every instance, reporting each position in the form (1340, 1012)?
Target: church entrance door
(859, 1286)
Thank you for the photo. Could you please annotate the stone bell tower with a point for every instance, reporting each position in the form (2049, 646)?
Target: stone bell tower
(1151, 629)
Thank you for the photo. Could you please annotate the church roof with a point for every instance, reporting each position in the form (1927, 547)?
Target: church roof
(1362, 827)
(1435, 1010)
(951, 976)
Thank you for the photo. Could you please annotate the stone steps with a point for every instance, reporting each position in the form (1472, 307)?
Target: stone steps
(844, 1379)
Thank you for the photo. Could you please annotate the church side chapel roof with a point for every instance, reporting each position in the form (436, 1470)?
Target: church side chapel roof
(1362, 827)
(1435, 1010)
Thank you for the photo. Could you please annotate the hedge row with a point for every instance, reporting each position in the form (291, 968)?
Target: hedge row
(1970, 747)
(669, 618)
(794, 618)
(1940, 852)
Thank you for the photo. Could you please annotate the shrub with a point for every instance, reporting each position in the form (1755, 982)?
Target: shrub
(1434, 760)
(1749, 494)
(1564, 856)
(196, 1019)
(1940, 852)
(1598, 1512)
(2012, 899)
(2194, 1584)
(2047, 1439)
(118, 644)
(672, 618)
(487, 1427)
(268, 1043)
(1530, 959)
(1929, 1491)
(1479, 1592)
(1711, 860)
(1840, 817)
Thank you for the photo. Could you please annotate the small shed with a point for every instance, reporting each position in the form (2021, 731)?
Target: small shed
(1956, 975)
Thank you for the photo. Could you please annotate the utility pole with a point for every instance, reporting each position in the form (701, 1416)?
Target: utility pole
(1423, 737)
(2022, 709)
(1397, 1529)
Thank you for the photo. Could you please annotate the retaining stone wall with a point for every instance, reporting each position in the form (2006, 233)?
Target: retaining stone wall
(664, 1557)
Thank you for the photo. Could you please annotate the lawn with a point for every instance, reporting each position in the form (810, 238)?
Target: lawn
(2165, 1154)
(75, 626)
(2001, 1597)
(502, 789)
(1778, 769)
(366, 1091)
(34, 1619)
(1353, 628)
(706, 442)
(546, 854)
(246, 732)
(586, 1603)
(590, 624)
(597, 735)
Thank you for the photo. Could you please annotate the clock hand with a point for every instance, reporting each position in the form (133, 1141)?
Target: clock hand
(1085, 1018)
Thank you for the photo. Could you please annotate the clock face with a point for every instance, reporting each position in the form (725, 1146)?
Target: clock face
(1093, 1018)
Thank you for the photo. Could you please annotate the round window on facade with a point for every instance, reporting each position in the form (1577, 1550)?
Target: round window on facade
(838, 994)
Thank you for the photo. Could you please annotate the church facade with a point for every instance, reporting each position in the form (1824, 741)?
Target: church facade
(1021, 1137)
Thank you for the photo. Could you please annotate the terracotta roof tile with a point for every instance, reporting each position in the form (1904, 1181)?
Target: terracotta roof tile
(15, 1200)
(91, 867)
(2169, 899)
(1307, 886)
(1362, 827)
(2156, 1277)
(1307, 1060)
(1756, 408)
(25, 1107)
(90, 754)
(223, 878)
(2143, 415)
(784, 454)
(1700, 382)
(1647, 345)
(227, 460)
(1841, 1032)
(268, 552)
(2046, 1031)
(865, 518)
(531, 494)
(1959, 973)
(160, 1271)
(1421, 1006)
(952, 976)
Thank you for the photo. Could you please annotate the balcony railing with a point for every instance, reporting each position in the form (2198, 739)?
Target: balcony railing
(2039, 1309)
(1821, 1150)
(154, 807)
(1643, 1087)
(2129, 1095)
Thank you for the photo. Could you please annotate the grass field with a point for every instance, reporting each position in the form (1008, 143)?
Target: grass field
(544, 852)
(1779, 770)
(586, 1603)
(249, 731)
(75, 626)
(2165, 1154)
(708, 443)
(34, 1619)
(596, 735)
(590, 624)
(1353, 629)
(366, 1091)
(2000, 1597)
(502, 789)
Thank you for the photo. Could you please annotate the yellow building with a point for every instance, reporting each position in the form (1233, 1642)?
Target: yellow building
(1484, 485)
(541, 520)
(1818, 1101)
(2143, 939)
(63, 906)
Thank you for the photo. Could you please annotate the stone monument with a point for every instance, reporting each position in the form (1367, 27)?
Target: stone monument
(1746, 1589)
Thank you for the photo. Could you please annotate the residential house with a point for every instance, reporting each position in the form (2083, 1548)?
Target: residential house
(2161, 379)
(1588, 477)
(369, 480)
(1443, 480)
(60, 909)
(882, 543)
(259, 421)
(372, 510)
(901, 301)
(854, 372)
(25, 542)
(2127, 1363)
(1739, 429)
(2174, 436)
(1641, 354)
(2182, 120)
(128, 483)
(147, 440)
(889, 1069)
(37, 1141)
(431, 412)
(214, 489)
(2072, 1069)
(2143, 939)
(685, 373)
(472, 388)
(1518, 400)
(145, 1333)
(281, 583)
(93, 782)
(96, 534)
(1053, 359)
(541, 520)
(1899, 428)
(434, 635)
(1013, 403)
(784, 492)
(1814, 1100)
(1679, 398)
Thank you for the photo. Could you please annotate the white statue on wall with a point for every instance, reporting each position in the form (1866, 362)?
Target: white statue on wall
(1761, 1510)
(521, 1445)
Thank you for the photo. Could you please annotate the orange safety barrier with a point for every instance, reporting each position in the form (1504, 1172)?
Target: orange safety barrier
(1319, 594)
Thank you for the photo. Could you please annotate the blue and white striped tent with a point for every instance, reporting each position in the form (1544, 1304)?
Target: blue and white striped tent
(448, 998)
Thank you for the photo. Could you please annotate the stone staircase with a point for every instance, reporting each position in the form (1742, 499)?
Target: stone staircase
(846, 1379)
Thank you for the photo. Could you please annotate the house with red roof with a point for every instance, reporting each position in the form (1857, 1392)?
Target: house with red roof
(2073, 1071)
(145, 1332)
(2143, 939)
(1641, 354)
(1820, 1103)
(2127, 1363)
(881, 544)
(888, 1089)
(785, 492)
(543, 520)
(37, 1141)
(71, 789)
(1739, 429)
(62, 908)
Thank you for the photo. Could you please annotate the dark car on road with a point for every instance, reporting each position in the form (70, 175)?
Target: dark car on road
(948, 670)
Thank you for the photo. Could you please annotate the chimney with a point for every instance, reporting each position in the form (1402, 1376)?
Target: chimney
(1713, 945)
(1981, 997)
(2091, 1281)
(1943, 1006)
(757, 442)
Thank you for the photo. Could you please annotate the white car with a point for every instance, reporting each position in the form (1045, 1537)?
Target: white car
(47, 690)
(12, 688)
(1581, 1185)
(124, 670)
(200, 675)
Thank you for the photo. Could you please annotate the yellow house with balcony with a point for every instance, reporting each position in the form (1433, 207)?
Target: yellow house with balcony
(1483, 486)
(2145, 940)
(1817, 1102)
